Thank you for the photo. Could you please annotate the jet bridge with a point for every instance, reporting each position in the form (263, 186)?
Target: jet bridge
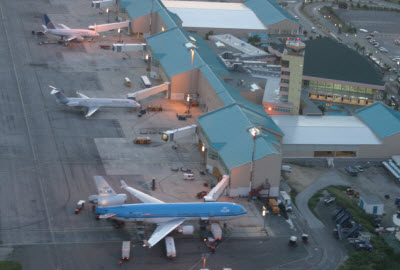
(109, 26)
(129, 47)
(172, 135)
(148, 92)
(217, 191)
(102, 3)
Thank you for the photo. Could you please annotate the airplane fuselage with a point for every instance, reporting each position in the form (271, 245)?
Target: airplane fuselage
(154, 213)
(73, 32)
(101, 102)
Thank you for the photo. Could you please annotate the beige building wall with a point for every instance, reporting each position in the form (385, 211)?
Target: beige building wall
(297, 154)
(254, 96)
(209, 99)
(142, 24)
(184, 83)
(239, 33)
(389, 148)
(295, 80)
(268, 167)
(284, 27)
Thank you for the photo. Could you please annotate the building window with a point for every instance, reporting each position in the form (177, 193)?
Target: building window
(285, 63)
(281, 109)
(284, 97)
(212, 154)
(286, 89)
(285, 81)
(287, 73)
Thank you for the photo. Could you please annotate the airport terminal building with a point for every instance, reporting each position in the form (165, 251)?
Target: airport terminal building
(239, 137)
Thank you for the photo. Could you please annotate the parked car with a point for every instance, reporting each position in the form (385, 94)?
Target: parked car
(330, 200)
(359, 168)
(351, 171)
(368, 37)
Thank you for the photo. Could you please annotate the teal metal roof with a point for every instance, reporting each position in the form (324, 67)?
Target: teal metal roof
(140, 8)
(268, 11)
(227, 129)
(169, 48)
(230, 95)
(384, 121)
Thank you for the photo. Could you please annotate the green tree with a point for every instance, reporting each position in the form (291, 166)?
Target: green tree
(209, 33)
(254, 39)
(322, 108)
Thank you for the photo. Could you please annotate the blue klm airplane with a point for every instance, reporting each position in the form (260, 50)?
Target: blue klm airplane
(167, 216)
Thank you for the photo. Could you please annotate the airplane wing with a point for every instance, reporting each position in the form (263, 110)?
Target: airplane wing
(70, 38)
(103, 187)
(140, 195)
(63, 26)
(91, 111)
(163, 230)
(108, 215)
(81, 95)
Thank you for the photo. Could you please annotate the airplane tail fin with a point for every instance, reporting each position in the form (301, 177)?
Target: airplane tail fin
(48, 23)
(59, 95)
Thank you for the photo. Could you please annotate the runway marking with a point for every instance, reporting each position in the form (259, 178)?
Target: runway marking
(26, 123)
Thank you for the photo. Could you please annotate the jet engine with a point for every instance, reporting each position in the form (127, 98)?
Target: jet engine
(116, 200)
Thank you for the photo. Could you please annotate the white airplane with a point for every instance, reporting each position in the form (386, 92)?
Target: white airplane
(167, 216)
(67, 33)
(93, 104)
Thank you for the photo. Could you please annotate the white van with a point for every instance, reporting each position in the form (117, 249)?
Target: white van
(146, 81)
(286, 168)
(188, 176)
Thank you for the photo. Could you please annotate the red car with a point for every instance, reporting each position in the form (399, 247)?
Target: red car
(201, 194)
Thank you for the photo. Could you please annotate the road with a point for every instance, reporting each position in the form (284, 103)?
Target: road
(333, 253)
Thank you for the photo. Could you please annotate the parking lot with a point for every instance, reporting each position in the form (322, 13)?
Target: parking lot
(372, 181)
(385, 23)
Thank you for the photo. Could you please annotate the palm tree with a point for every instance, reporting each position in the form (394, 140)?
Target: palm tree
(357, 46)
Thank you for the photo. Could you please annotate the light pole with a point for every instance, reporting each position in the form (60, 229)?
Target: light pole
(188, 101)
(264, 213)
(203, 149)
(108, 15)
(119, 35)
(254, 132)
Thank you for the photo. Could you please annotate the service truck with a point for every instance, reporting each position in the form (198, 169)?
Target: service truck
(287, 202)
(216, 231)
(126, 250)
(170, 247)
